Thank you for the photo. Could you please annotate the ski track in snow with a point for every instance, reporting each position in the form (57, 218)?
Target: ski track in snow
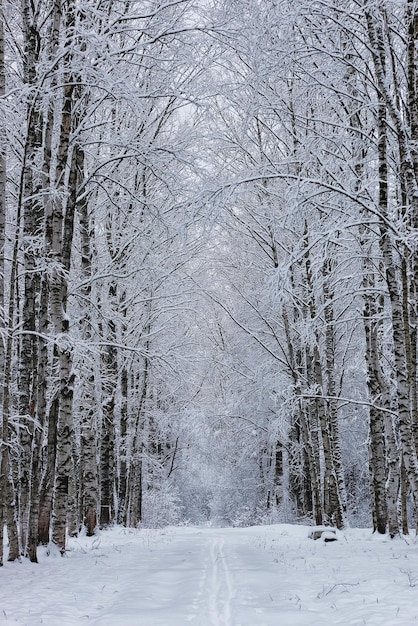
(213, 604)
(221, 588)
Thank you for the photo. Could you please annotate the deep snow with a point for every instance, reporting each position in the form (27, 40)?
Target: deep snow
(258, 576)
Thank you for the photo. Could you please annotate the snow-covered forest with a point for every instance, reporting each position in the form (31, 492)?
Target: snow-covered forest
(208, 265)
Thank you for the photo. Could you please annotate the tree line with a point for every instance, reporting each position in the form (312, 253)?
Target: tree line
(208, 235)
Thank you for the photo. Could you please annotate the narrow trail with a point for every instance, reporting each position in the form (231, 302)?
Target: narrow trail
(221, 585)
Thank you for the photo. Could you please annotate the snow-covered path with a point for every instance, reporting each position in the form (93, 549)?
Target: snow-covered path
(260, 576)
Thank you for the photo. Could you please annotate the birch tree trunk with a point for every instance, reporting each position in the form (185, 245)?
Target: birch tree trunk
(48, 417)
(61, 244)
(7, 491)
(32, 223)
(3, 430)
(135, 466)
(47, 482)
(412, 104)
(340, 512)
(377, 442)
(41, 476)
(89, 431)
(107, 460)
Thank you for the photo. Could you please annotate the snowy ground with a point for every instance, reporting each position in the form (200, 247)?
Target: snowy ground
(259, 576)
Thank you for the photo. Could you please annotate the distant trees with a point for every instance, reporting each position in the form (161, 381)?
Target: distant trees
(321, 189)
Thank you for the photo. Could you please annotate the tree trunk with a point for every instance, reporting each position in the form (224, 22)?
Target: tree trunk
(89, 426)
(61, 244)
(47, 482)
(29, 197)
(384, 482)
(412, 278)
(3, 437)
(107, 460)
(340, 513)
(135, 468)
